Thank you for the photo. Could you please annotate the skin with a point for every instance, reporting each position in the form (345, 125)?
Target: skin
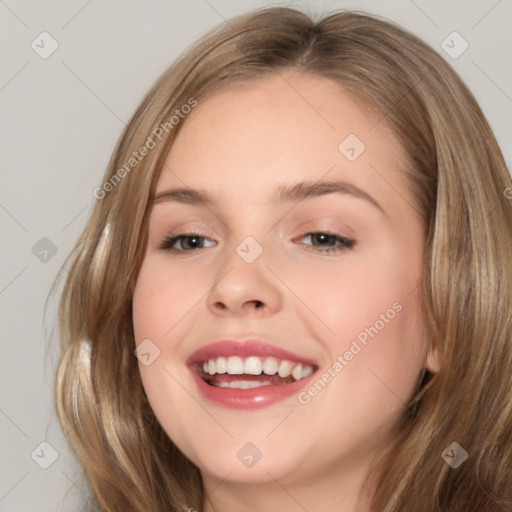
(238, 145)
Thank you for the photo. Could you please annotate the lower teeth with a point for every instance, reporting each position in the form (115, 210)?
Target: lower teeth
(243, 384)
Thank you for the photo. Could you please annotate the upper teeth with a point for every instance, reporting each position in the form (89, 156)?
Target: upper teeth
(254, 365)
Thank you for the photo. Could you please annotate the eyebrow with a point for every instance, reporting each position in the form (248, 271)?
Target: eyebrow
(284, 192)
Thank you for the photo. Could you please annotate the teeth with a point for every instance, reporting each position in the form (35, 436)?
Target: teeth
(297, 372)
(270, 366)
(285, 369)
(243, 384)
(235, 365)
(307, 371)
(254, 365)
(221, 365)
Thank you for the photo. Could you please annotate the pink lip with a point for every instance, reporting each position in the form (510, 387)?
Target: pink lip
(251, 398)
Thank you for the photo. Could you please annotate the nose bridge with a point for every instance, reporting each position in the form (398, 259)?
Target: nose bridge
(243, 279)
(249, 237)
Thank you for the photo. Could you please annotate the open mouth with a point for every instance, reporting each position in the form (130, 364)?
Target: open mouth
(251, 372)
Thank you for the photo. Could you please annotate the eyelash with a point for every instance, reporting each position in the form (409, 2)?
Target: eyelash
(346, 243)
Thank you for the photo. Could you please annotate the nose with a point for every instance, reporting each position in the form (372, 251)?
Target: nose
(242, 288)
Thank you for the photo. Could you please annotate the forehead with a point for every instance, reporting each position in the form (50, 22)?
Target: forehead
(281, 128)
(290, 105)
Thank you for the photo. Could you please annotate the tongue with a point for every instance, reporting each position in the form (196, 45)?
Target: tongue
(218, 379)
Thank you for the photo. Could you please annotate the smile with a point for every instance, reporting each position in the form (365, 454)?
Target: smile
(248, 375)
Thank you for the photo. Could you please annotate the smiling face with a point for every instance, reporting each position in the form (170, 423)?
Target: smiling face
(333, 277)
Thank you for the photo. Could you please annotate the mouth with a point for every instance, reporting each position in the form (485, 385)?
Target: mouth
(251, 372)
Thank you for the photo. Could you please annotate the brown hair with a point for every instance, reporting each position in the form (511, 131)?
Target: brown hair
(459, 180)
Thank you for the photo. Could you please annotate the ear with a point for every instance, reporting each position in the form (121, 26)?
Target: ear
(433, 360)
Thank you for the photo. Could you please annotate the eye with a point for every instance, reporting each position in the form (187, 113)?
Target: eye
(328, 240)
(192, 240)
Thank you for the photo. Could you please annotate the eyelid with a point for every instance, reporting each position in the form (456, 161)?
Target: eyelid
(181, 229)
(327, 223)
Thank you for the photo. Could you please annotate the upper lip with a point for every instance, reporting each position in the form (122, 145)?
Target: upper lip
(252, 347)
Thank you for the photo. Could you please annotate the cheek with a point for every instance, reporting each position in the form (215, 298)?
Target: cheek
(161, 302)
(375, 357)
(369, 315)
(354, 295)
(161, 298)
(161, 309)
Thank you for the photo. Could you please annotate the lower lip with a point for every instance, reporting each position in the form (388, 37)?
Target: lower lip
(251, 398)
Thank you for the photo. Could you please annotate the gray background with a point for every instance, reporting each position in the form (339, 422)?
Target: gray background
(60, 119)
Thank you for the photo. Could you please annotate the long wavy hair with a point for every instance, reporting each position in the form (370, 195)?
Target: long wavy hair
(461, 189)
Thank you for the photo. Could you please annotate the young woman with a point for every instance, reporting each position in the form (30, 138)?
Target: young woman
(294, 292)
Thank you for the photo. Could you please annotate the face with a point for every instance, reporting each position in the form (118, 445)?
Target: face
(322, 279)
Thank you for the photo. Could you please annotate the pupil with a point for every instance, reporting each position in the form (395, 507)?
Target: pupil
(195, 241)
(323, 237)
